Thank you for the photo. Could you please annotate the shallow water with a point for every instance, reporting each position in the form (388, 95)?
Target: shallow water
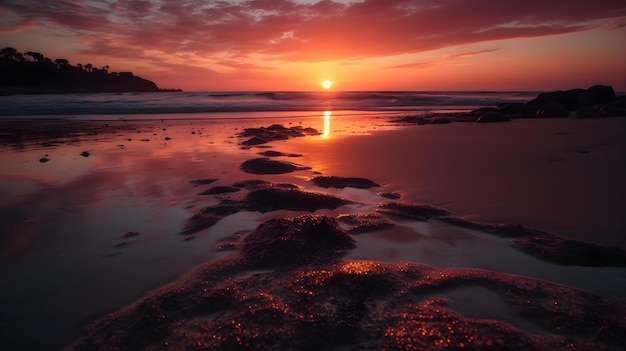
(65, 260)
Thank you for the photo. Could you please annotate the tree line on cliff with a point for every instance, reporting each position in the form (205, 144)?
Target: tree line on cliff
(32, 72)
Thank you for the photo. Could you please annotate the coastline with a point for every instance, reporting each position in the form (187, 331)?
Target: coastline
(157, 174)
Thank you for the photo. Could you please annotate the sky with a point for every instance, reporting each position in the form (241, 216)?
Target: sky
(257, 45)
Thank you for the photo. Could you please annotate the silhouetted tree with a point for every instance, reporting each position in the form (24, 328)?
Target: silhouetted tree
(33, 72)
(62, 62)
(8, 53)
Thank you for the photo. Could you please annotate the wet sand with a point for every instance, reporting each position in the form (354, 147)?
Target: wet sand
(373, 240)
(560, 175)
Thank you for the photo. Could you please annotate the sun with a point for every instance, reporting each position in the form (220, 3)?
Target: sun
(327, 84)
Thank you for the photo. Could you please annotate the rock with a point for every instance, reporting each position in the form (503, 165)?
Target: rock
(391, 196)
(512, 108)
(44, 159)
(612, 111)
(343, 182)
(255, 184)
(441, 121)
(575, 98)
(224, 208)
(570, 99)
(620, 102)
(490, 117)
(306, 239)
(272, 199)
(207, 181)
(254, 141)
(85, 154)
(199, 222)
(130, 234)
(588, 112)
(602, 94)
(561, 250)
(267, 166)
(364, 222)
(272, 153)
(552, 109)
(274, 132)
(216, 190)
(411, 211)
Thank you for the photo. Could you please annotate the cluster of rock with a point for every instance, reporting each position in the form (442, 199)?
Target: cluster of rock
(594, 102)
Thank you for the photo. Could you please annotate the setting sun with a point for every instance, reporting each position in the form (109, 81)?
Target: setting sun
(327, 84)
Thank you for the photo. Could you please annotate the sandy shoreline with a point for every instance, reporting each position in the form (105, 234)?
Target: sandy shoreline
(147, 178)
(558, 175)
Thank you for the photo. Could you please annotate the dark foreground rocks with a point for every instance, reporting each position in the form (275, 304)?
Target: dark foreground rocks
(275, 132)
(306, 239)
(548, 246)
(266, 198)
(595, 102)
(310, 300)
(343, 182)
(269, 166)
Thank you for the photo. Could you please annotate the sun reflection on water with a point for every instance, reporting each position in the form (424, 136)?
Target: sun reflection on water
(326, 130)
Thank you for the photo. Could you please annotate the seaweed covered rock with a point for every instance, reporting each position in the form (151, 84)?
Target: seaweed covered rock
(549, 246)
(272, 199)
(358, 305)
(268, 166)
(304, 239)
(364, 222)
(274, 132)
(343, 182)
(217, 190)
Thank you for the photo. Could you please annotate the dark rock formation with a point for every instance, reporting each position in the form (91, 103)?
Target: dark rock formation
(548, 246)
(364, 222)
(391, 196)
(307, 239)
(274, 132)
(272, 199)
(272, 153)
(267, 166)
(552, 109)
(357, 305)
(255, 184)
(573, 99)
(216, 190)
(199, 222)
(199, 182)
(490, 117)
(343, 182)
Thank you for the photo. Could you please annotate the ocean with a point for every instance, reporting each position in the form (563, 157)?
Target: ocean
(248, 104)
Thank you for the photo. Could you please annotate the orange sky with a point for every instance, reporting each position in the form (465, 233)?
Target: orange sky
(256, 45)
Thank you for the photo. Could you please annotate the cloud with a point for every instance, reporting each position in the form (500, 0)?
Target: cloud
(411, 65)
(305, 31)
(473, 53)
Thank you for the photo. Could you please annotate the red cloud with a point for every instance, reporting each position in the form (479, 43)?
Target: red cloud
(295, 31)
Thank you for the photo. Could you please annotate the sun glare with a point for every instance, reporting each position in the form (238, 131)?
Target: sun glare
(327, 84)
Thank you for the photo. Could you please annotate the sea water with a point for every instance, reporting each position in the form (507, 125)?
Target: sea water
(250, 104)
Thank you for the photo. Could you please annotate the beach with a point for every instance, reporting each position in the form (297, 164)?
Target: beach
(163, 224)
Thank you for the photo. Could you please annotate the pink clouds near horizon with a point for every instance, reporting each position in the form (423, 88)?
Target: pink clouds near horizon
(362, 45)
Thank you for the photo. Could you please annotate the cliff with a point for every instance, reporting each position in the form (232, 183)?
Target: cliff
(20, 75)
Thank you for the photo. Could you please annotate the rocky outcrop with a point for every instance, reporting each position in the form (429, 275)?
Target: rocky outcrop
(556, 103)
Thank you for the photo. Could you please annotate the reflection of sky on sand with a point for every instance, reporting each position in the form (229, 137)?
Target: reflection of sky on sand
(442, 245)
(60, 263)
(66, 217)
